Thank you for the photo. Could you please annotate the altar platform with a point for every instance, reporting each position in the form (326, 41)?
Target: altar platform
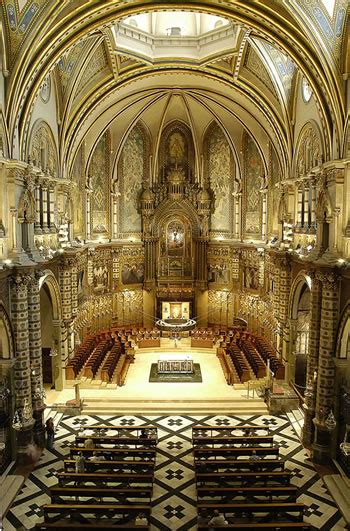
(176, 363)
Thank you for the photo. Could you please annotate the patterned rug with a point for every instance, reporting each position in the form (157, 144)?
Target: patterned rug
(167, 377)
(174, 493)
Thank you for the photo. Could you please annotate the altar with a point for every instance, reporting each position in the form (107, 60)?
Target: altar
(175, 363)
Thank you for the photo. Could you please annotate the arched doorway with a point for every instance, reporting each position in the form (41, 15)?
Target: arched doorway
(301, 313)
(6, 389)
(50, 317)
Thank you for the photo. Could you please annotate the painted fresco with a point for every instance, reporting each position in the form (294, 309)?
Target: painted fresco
(220, 178)
(253, 201)
(99, 182)
(132, 164)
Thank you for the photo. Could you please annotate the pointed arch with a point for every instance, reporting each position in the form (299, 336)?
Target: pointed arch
(309, 149)
(42, 148)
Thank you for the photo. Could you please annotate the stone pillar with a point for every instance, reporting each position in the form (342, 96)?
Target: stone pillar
(313, 207)
(264, 215)
(306, 225)
(312, 361)
(37, 223)
(299, 207)
(51, 208)
(22, 370)
(115, 218)
(34, 334)
(326, 366)
(14, 230)
(201, 262)
(88, 221)
(44, 194)
(150, 261)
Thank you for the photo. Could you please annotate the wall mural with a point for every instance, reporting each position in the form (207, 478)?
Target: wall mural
(131, 171)
(220, 175)
(99, 183)
(77, 193)
(132, 273)
(253, 181)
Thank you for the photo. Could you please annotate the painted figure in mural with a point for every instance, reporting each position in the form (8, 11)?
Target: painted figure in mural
(176, 148)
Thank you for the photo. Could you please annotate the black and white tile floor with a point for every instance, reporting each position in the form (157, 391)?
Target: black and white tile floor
(174, 498)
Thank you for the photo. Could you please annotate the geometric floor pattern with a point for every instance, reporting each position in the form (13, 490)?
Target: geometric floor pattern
(174, 495)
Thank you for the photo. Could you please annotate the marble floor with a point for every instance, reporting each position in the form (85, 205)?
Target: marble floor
(174, 498)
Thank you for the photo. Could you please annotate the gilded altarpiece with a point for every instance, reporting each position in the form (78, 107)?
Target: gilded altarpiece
(131, 168)
(253, 182)
(99, 170)
(220, 171)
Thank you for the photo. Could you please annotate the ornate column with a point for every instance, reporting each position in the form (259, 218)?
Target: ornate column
(299, 206)
(51, 207)
(23, 421)
(44, 194)
(313, 207)
(14, 230)
(34, 335)
(326, 366)
(306, 225)
(88, 220)
(264, 214)
(37, 224)
(201, 261)
(312, 361)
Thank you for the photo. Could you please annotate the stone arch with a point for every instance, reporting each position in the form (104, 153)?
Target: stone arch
(163, 163)
(50, 304)
(7, 349)
(299, 313)
(42, 150)
(4, 141)
(171, 208)
(49, 279)
(343, 336)
(309, 149)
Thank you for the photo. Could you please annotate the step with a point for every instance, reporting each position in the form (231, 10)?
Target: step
(339, 488)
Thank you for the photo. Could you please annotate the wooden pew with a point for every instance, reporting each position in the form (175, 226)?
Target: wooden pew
(71, 526)
(69, 510)
(238, 464)
(255, 508)
(104, 478)
(231, 451)
(109, 465)
(263, 526)
(223, 439)
(229, 430)
(115, 440)
(119, 493)
(121, 430)
(228, 493)
(242, 478)
(117, 453)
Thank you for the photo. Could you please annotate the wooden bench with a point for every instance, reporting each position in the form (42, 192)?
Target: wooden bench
(203, 453)
(239, 464)
(115, 440)
(289, 492)
(276, 526)
(119, 493)
(104, 478)
(255, 508)
(103, 464)
(257, 478)
(127, 453)
(128, 430)
(229, 430)
(71, 510)
(222, 439)
(71, 526)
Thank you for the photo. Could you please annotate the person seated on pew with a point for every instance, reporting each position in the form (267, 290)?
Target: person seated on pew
(254, 456)
(218, 519)
(202, 517)
(141, 519)
(80, 463)
(89, 444)
(97, 457)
